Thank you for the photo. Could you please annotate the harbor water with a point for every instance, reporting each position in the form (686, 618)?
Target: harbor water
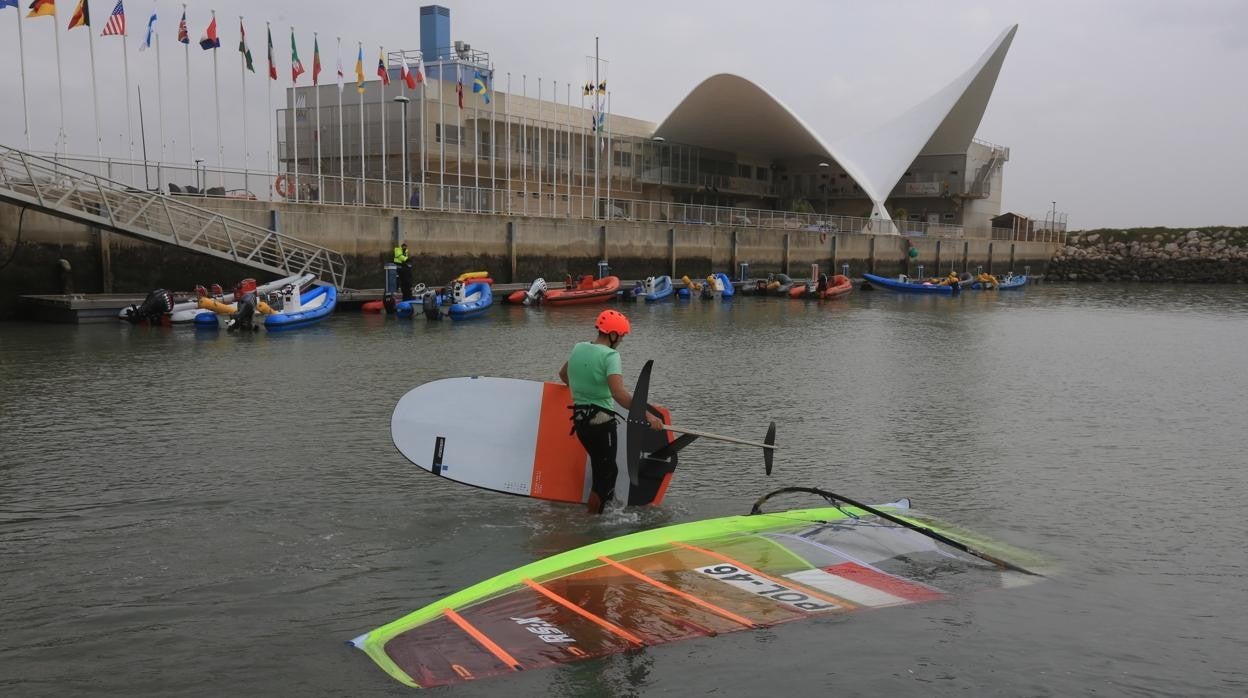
(202, 514)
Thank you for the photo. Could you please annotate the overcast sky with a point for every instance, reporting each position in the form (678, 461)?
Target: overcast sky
(1126, 113)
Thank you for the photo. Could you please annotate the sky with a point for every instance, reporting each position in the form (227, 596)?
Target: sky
(1122, 112)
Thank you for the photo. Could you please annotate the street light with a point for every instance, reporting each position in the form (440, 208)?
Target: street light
(659, 141)
(199, 162)
(826, 187)
(403, 136)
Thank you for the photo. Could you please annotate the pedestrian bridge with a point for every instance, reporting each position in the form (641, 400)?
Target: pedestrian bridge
(42, 184)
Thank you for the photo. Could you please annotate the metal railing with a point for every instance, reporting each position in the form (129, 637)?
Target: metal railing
(455, 193)
(55, 188)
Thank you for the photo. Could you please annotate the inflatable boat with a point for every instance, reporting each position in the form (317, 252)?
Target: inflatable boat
(302, 309)
(905, 285)
(836, 287)
(186, 312)
(587, 290)
(727, 290)
(657, 288)
(470, 299)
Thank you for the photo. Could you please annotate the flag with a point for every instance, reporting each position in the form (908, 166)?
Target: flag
(587, 89)
(359, 70)
(420, 69)
(8, 3)
(296, 65)
(316, 60)
(459, 85)
(116, 25)
(42, 8)
(183, 34)
(272, 64)
(406, 74)
(210, 40)
(242, 46)
(151, 32)
(339, 66)
(480, 87)
(381, 69)
(602, 87)
(81, 16)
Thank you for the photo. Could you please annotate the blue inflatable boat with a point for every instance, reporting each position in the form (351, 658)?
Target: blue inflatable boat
(477, 298)
(907, 286)
(314, 305)
(729, 290)
(657, 288)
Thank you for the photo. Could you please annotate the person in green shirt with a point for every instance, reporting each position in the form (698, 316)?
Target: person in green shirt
(594, 373)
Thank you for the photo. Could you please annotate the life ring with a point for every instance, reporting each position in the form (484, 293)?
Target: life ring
(282, 186)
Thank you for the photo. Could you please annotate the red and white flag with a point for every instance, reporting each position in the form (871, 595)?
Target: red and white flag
(406, 74)
(116, 22)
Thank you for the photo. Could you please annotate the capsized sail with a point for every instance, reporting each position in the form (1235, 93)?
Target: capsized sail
(678, 582)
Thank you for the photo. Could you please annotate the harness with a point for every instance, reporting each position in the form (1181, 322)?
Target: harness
(590, 415)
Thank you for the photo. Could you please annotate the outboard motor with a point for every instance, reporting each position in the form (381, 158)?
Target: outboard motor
(429, 303)
(823, 283)
(388, 302)
(157, 304)
(536, 292)
(245, 318)
(216, 291)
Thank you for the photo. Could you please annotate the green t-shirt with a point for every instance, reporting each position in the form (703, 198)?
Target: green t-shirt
(588, 367)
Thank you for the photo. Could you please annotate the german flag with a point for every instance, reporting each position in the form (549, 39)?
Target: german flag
(42, 8)
(81, 16)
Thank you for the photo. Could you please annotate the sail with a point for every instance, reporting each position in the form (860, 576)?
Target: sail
(675, 583)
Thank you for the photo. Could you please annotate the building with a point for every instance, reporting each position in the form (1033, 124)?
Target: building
(730, 152)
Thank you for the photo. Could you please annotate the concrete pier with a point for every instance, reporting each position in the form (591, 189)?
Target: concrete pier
(54, 256)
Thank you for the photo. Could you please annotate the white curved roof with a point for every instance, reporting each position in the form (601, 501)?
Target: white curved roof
(727, 112)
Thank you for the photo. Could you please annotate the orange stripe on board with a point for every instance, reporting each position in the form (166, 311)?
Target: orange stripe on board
(684, 595)
(559, 460)
(590, 616)
(785, 583)
(484, 641)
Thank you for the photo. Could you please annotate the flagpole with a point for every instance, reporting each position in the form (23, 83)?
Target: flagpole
(385, 185)
(21, 49)
(507, 122)
(476, 156)
(125, 63)
(493, 145)
(459, 136)
(524, 144)
(404, 195)
(271, 137)
(541, 154)
(360, 88)
(581, 188)
(424, 144)
(160, 96)
(441, 136)
(596, 108)
(186, 54)
(216, 88)
(316, 89)
(342, 166)
(95, 99)
(242, 74)
(569, 128)
(610, 157)
(294, 110)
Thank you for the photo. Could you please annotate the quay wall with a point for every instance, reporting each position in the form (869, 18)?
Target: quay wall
(52, 256)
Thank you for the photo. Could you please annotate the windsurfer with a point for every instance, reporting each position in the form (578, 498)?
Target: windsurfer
(594, 373)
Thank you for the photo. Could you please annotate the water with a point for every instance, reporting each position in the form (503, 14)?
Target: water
(203, 514)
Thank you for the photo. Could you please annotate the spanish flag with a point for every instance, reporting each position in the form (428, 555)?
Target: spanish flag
(42, 8)
(82, 15)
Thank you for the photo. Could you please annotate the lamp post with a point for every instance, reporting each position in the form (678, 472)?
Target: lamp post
(403, 101)
(199, 163)
(659, 141)
(826, 169)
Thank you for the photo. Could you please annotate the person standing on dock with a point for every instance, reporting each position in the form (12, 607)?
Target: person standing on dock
(595, 374)
(403, 261)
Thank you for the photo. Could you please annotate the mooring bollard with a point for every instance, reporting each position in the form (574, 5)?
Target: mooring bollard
(743, 271)
(845, 270)
(603, 269)
(920, 274)
(392, 278)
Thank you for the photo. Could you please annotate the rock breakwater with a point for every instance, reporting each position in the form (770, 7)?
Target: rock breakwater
(1211, 255)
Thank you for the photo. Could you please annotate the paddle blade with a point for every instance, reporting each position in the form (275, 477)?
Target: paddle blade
(769, 453)
(637, 424)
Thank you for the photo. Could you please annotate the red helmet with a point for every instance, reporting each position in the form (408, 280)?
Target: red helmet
(612, 321)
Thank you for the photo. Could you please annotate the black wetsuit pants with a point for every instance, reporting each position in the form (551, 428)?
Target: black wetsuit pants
(405, 280)
(599, 441)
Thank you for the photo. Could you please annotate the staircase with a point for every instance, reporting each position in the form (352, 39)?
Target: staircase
(38, 183)
(981, 187)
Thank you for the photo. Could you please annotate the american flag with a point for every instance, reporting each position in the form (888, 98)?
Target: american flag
(116, 22)
(183, 35)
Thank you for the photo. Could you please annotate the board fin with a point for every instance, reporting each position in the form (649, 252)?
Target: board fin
(637, 422)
